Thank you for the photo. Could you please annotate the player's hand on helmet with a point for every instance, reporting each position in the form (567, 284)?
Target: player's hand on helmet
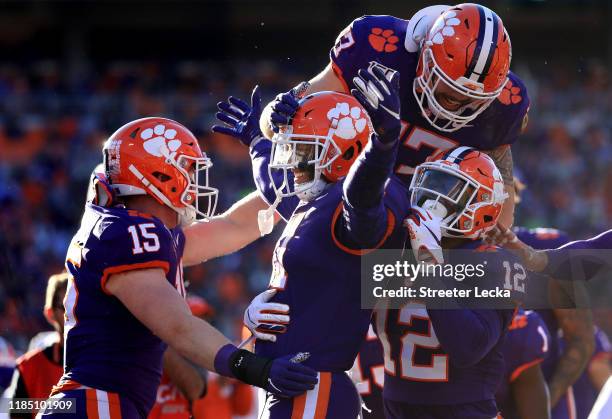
(266, 320)
(284, 106)
(378, 92)
(289, 378)
(240, 119)
(425, 233)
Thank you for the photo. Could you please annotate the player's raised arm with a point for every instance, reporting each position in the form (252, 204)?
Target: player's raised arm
(148, 295)
(365, 218)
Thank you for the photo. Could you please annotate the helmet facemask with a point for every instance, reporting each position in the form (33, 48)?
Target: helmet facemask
(431, 79)
(297, 155)
(448, 193)
(199, 199)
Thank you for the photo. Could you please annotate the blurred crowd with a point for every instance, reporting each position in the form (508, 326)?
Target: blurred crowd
(54, 119)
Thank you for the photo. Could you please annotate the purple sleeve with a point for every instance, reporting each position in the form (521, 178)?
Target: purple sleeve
(260, 158)
(368, 38)
(364, 216)
(467, 336)
(580, 259)
(515, 100)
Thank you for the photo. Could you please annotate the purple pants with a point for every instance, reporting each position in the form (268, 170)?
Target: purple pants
(334, 397)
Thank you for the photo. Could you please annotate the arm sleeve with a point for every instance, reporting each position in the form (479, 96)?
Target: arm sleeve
(364, 217)
(358, 44)
(516, 100)
(581, 259)
(260, 159)
(467, 335)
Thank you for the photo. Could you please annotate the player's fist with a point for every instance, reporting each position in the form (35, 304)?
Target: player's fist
(289, 378)
(240, 120)
(377, 89)
(284, 106)
(425, 233)
(265, 320)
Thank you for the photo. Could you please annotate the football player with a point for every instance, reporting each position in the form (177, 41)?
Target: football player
(125, 298)
(456, 85)
(333, 215)
(523, 393)
(38, 370)
(442, 363)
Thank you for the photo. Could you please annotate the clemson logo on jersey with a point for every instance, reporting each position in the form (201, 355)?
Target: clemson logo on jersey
(444, 27)
(160, 141)
(511, 94)
(383, 40)
(346, 121)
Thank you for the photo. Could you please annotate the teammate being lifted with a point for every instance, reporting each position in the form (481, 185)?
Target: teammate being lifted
(456, 85)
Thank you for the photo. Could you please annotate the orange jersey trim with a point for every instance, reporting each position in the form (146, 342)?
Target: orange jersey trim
(361, 252)
(131, 267)
(323, 396)
(518, 371)
(338, 73)
(92, 404)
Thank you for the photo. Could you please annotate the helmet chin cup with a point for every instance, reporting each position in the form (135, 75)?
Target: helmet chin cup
(311, 190)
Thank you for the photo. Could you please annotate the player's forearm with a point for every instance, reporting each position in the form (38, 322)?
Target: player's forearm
(577, 326)
(189, 379)
(466, 335)
(364, 213)
(530, 394)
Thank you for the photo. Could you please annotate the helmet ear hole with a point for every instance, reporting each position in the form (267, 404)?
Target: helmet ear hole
(162, 177)
(348, 154)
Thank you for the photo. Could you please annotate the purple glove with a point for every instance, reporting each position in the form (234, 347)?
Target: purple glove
(285, 105)
(378, 92)
(289, 378)
(241, 120)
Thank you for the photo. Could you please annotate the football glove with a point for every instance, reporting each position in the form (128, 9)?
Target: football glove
(425, 235)
(284, 376)
(378, 92)
(241, 120)
(284, 106)
(265, 320)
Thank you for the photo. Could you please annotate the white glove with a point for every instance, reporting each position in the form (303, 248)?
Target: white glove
(266, 320)
(425, 233)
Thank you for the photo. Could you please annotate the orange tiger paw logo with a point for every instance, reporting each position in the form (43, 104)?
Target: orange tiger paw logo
(383, 40)
(510, 95)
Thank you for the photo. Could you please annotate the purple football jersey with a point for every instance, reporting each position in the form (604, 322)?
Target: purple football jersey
(381, 39)
(368, 374)
(584, 392)
(319, 278)
(419, 371)
(526, 345)
(107, 348)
